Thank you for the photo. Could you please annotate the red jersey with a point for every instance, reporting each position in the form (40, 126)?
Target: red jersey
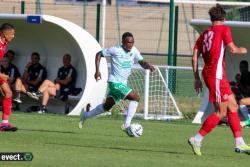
(2, 49)
(212, 45)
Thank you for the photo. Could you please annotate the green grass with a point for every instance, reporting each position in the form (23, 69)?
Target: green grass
(55, 141)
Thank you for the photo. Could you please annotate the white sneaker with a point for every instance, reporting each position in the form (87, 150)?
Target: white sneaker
(195, 145)
(81, 122)
(33, 95)
(242, 149)
(83, 118)
(40, 112)
(17, 100)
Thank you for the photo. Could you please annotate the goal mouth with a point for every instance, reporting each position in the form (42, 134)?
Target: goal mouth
(157, 101)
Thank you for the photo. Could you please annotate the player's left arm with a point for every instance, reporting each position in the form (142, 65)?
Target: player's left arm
(235, 49)
(228, 39)
(146, 65)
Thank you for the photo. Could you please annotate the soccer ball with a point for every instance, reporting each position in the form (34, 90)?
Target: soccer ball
(135, 130)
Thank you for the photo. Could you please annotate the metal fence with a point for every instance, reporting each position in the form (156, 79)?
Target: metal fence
(149, 23)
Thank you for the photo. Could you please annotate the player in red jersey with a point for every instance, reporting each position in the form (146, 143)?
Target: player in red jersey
(7, 32)
(212, 44)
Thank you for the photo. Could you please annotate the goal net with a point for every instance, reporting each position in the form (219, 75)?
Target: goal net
(157, 101)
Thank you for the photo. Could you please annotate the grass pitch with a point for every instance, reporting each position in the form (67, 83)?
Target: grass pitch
(56, 141)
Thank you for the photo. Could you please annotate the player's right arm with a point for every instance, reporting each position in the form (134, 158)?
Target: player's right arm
(197, 82)
(97, 65)
(108, 52)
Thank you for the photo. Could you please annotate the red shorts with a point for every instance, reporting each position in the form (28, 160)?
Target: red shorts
(219, 90)
(2, 81)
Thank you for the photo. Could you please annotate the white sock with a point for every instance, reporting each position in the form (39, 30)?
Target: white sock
(198, 137)
(239, 141)
(5, 121)
(244, 111)
(96, 111)
(131, 112)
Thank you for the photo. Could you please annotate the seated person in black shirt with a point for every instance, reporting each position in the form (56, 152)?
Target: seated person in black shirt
(10, 69)
(63, 85)
(244, 78)
(10, 54)
(33, 77)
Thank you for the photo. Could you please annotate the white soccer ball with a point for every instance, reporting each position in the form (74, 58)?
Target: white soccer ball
(135, 130)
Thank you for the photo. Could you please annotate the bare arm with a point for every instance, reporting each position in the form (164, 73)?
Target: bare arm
(25, 76)
(236, 50)
(26, 73)
(197, 82)
(146, 65)
(97, 65)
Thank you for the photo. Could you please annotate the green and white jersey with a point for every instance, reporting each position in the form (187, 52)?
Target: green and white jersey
(121, 62)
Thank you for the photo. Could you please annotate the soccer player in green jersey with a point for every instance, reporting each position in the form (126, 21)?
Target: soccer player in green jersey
(122, 60)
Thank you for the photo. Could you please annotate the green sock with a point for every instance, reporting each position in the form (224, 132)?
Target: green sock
(247, 122)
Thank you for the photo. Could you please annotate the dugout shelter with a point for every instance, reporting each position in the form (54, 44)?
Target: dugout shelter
(52, 37)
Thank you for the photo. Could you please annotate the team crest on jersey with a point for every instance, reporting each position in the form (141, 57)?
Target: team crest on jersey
(225, 97)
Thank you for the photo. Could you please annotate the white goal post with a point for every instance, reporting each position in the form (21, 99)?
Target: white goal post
(157, 101)
(166, 96)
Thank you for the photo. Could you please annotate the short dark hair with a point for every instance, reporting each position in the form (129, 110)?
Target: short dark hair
(37, 54)
(67, 55)
(244, 62)
(217, 13)
(127, 34)
(6, 26)
(11, 52)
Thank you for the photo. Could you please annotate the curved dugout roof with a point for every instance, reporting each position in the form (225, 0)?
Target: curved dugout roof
(52, 37)
(240, 32)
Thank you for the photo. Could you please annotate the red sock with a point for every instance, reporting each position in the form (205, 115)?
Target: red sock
(209, 124)
(234, 122)
(7, 104)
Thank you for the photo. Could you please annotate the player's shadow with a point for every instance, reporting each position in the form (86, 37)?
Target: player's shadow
(47, 131)
(118, 148)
